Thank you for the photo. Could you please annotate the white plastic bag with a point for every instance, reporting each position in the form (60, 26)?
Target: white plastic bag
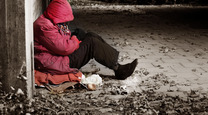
(93, 79)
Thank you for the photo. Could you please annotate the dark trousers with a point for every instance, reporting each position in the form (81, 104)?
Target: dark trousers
(93, 47)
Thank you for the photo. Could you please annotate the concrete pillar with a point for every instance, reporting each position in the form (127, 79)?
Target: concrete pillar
(16, 46)
(29, 18)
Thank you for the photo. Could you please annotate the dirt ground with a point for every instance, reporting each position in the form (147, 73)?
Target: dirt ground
(171, 45)
(170, 42)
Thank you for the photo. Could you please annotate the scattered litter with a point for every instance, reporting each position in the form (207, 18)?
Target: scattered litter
(200, 54)
(91, 87)
(12, 88)
(186, 50)
(122, 44)
(123, 57)
(19, 92)
(119, 90)
(165, 49)
(93, 79)
(194, 70)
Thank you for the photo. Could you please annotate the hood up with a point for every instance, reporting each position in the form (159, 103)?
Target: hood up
(59, 11)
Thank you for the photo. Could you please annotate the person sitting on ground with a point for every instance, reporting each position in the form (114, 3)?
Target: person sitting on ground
(59, 52)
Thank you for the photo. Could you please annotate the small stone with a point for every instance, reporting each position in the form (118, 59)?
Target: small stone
(12, 88)
(19, 92)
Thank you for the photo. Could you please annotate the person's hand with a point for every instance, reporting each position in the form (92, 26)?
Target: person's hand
(75, 39)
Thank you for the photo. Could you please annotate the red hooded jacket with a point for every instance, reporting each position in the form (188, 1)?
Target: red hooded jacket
(51, 47)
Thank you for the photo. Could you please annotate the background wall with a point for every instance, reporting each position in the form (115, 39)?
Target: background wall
(159, 2)
(37, 8)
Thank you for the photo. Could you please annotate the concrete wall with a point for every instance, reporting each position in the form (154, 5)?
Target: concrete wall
(16, 44)
(13, 59)
(37, 7)
(2, 33)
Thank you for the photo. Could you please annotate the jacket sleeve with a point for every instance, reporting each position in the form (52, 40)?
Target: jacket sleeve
(57, 43)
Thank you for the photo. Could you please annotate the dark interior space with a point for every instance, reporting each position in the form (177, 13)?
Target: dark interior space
(158, 2)
(194, 17)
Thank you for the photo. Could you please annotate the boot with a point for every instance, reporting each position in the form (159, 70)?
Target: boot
(124, 71)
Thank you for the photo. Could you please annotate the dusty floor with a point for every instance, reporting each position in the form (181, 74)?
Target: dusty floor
(171, 44)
